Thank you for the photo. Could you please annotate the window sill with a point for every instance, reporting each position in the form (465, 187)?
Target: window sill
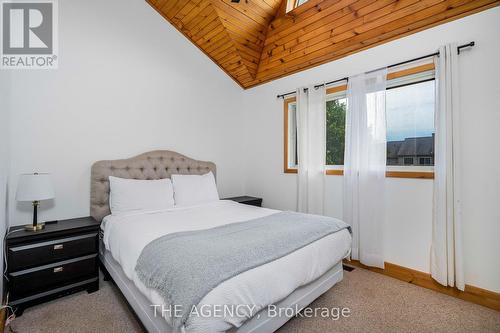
(410, 174)
(388, 174)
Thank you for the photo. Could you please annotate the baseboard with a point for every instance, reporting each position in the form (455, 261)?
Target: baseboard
(3, 317)
(472, 294)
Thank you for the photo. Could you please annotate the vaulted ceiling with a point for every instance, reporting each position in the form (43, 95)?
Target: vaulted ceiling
(256, 41)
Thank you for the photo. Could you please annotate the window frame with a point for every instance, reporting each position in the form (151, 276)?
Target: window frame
(286, 103)
(338, 170)
(335, 170)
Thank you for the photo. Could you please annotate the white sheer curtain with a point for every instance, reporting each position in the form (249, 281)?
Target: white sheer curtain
(311, 145)
(364, 165)
(446, 250)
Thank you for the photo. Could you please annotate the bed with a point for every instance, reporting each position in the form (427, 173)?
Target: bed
(289, 282)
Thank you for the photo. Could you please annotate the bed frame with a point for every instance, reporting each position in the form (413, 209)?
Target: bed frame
(161, 164)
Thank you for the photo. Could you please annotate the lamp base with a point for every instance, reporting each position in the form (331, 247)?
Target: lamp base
(31, 227)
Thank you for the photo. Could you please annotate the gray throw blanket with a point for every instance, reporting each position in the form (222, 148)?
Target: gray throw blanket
(184, 267)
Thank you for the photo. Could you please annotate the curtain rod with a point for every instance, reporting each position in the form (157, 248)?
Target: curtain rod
(471, 44)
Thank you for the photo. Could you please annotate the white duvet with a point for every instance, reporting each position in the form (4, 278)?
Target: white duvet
(126, 235)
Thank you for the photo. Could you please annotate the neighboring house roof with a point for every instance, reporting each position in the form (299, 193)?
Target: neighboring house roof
(421, 146)
(393, 148)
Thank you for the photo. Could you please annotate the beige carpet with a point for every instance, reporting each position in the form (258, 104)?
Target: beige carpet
(377, 304)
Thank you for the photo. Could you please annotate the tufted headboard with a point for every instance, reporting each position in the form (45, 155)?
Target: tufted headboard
(156, 164)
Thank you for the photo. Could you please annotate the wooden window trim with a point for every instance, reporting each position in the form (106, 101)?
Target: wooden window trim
(392, 174)
(334, 172)
(388, 174)
(410, 174)
(336, 89)
(410, 71)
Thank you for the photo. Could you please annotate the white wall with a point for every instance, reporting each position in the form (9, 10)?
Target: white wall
(409, 201)
(4, 159)
(127, 83)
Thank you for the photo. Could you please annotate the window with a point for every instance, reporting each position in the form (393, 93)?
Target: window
(290, 130)
(336, 107)
(410, 125)
(425, 161)
(291, 4)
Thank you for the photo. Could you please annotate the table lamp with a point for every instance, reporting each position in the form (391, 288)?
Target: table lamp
(35, 187)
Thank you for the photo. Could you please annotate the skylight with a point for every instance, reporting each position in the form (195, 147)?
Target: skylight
(294, 4)
(299, 2)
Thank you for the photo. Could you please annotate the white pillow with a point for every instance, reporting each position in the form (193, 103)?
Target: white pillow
(194, 189)
(132, 195)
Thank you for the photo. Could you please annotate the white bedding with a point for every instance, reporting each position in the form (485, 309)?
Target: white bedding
(126, 235)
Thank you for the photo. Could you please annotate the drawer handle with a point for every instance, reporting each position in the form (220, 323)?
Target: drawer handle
(58, 247)
(58, 269)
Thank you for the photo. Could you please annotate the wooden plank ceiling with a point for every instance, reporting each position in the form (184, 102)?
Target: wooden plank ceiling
(255, 41)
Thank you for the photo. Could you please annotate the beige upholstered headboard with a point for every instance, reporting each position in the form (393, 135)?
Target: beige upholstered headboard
(156, 164)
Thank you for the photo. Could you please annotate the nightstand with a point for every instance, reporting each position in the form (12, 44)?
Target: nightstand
(247, 200)
(54, 262)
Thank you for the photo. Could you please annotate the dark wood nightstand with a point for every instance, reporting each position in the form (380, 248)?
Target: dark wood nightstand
(247, 200)
(56, 261)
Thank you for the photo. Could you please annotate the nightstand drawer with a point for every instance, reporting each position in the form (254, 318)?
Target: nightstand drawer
(36, 254)
(26, 282)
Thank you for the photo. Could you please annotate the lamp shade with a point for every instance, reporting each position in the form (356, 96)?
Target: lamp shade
(34, 187)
